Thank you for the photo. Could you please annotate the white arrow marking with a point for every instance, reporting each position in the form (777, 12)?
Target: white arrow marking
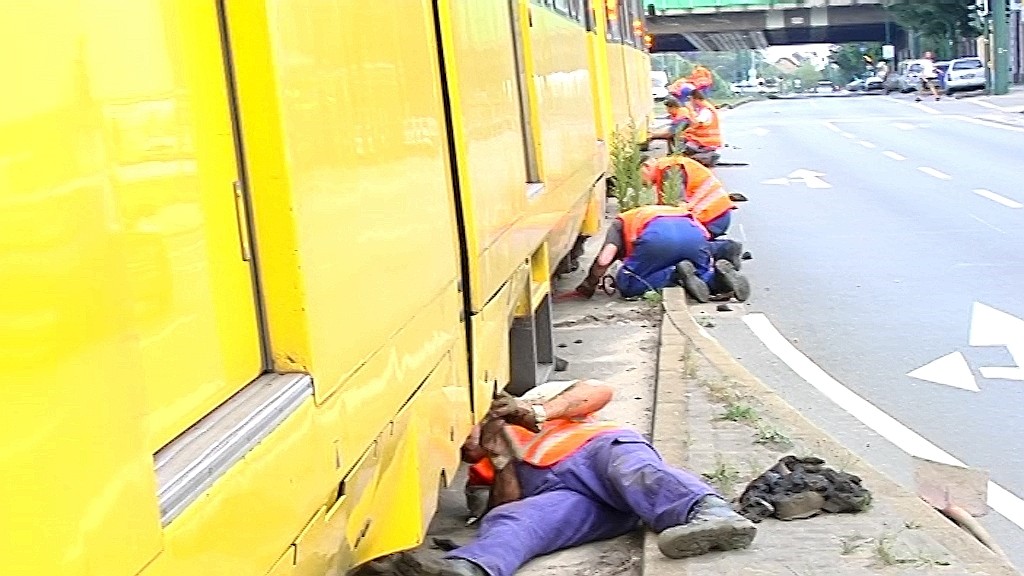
(991, 327)
(811, 178)
(777, 181)
(951, 370)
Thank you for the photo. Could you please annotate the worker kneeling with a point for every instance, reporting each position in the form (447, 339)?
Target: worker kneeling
(701, 191)
(660, 246)
(561, 478)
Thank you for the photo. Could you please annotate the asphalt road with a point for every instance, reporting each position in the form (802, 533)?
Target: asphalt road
(881, 229)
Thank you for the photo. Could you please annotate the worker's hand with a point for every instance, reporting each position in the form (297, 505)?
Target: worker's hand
(472, 451)
(514, 411)
(494, 442)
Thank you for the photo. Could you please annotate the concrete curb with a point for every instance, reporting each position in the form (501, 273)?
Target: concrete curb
(681, 335)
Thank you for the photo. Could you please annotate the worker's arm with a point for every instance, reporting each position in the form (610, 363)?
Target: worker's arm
(581, 399)
(614, 247)
(506, 487)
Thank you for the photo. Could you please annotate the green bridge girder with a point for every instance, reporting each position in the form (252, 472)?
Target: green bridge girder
(667, 6)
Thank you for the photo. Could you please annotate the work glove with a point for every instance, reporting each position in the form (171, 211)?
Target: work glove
(514, 411)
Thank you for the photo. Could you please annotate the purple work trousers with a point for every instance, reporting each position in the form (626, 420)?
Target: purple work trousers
(599, 492)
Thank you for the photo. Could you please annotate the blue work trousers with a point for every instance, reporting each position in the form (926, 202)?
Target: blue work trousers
(719, 226)
(600, 492)
(665, 242)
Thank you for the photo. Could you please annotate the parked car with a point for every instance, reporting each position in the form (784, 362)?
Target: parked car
(825, 87)
(965, 74)
(855, 85)
(907, 77)
(873, 84)
(659, 85)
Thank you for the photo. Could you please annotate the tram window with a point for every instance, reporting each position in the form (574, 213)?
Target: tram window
(562, 6)
(625, 20)
(586, 14)
(613, 12)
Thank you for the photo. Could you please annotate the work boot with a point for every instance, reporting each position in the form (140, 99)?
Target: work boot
(728, 249)
(713, 525)
(694, 286)
(409, 564)
(731, 280)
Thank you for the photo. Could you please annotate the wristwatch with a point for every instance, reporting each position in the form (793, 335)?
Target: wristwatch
(540, 416)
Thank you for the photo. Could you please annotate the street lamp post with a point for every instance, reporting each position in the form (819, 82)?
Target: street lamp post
(1000, 47)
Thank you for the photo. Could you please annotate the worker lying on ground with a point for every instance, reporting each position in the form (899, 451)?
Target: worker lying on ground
(702, 192)
(579, 480)
(664, 245)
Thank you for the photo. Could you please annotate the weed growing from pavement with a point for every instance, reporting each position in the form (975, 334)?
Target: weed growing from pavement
(768, 434)
(885, 551)
(853, 543)
(724, 476)
(653, 298)
(672, 186)
(737, 412)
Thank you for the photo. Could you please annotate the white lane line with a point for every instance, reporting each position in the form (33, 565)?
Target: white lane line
(894, 155)
(998, 198)
(904, 126)
(924, 107)
(997, 229)
(988, 123)
(832, 127)
(743, 234)
(935, 173)
(866, 144)
(1000, 499)
(846, 135)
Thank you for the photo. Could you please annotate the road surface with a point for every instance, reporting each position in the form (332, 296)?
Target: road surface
(888, 239)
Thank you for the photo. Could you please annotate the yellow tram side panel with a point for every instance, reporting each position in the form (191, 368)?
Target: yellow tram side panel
(129, 311)
(638, 75)
(353, 207)
(507, 220)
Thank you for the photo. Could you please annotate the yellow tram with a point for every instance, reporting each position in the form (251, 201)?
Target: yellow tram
(265, 262)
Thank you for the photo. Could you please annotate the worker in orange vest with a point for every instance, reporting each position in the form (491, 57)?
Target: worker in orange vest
(659, 246)
(701, 131)
(561, 477)
(679, 119)
(701, 79)
(702, 192)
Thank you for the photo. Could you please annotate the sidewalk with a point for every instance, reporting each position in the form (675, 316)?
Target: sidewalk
(1011, 102)
(697, 382)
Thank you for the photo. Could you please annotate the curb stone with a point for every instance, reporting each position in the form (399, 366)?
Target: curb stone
(805, 547)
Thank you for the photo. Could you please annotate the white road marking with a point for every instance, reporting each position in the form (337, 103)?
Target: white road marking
(1000, 499)
(743, 234)
(894, 155)
(904, 126)
(997, 198)
(832, 127)
(992, 327)
(846, 135)
(988, 123)
(997, 229)
(935, 173)
(951, 370)
(867, 144)
(925, 107)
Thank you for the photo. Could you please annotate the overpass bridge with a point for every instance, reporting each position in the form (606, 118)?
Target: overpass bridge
(715, 25)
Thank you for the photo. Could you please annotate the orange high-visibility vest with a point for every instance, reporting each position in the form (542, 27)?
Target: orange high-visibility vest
(706, 134)
(705, 195)
(634, 221)
(558, 440)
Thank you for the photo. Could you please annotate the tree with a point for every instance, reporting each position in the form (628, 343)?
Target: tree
(807, 74)
(939, 21)
(851, 57)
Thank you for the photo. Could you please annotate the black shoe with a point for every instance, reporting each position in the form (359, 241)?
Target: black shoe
(731, 280)
(713, 525)
(409, 564)
(728, 249)
(917, 99)
(694, 286)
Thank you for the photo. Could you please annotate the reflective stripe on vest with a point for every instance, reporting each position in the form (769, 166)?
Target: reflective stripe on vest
(634, 221)
(561, 438)
(705, 196)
